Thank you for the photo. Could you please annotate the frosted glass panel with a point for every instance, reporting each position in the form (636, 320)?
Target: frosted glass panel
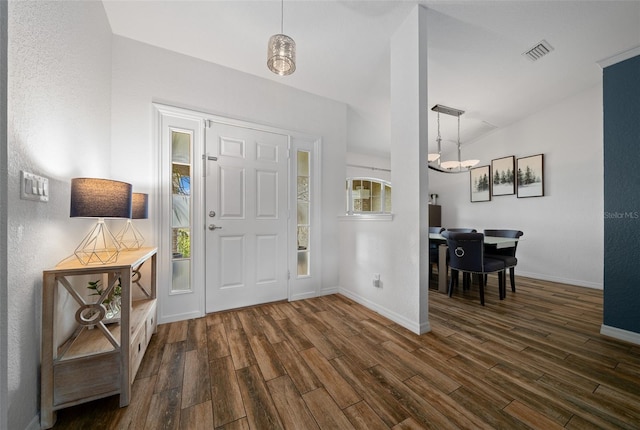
(303, 237)
(303, 264)
(303, 212)
(181, 210)
(181, 275)
(180, 147)
(303, 163)
(303, 188)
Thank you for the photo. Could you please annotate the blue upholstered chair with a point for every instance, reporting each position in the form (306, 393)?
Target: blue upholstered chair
(466, 279)
(508, 255)
(466, 254)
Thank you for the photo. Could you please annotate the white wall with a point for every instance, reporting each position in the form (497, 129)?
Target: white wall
(143, 74)
(371, 166)
(563, 231)
(395, 249)
(59, 91)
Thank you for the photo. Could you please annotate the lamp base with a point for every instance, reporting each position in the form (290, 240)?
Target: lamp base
(129, 237)
(98, 247)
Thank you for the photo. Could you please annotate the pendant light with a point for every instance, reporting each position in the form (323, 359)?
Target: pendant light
(435, 160)
(281, 52)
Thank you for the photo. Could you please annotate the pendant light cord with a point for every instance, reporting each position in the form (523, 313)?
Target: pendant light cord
(281, 16)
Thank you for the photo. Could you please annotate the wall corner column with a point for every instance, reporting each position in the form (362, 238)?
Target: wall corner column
(409, 171)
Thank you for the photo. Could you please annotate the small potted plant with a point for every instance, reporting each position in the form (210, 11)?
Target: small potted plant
(112, 303)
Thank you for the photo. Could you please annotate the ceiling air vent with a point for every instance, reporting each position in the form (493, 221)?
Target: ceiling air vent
(538, 51)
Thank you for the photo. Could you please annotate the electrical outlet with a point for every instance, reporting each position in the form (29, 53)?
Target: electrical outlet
(376, 280)
(34, 187)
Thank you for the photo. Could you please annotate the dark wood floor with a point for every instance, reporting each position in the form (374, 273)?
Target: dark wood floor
(535, 360)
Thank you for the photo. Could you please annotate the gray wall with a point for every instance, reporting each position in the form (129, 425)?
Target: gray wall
(59, 91)
(3, 215)
(621, 194)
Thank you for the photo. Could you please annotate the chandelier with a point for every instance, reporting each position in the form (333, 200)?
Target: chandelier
(435, 159)
(281, 52)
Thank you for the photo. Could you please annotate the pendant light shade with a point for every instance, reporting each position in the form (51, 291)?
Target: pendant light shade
(281, 52)
(281, 55)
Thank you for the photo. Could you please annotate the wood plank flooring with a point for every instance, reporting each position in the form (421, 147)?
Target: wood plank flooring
(535, 360)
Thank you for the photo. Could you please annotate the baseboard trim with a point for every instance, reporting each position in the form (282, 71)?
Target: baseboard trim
(328, 291)
(179, 317)
(620, 334)
(576, 282)
(303, 296)
(393, 316)
(34, 424)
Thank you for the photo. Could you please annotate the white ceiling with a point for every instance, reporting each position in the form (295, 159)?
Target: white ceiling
(475, 47)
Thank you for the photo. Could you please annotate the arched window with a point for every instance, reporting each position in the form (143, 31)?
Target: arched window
(368, 196)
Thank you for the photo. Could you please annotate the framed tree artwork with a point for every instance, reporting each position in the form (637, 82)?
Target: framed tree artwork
(503, 179)
(530, 176)
(480, 178)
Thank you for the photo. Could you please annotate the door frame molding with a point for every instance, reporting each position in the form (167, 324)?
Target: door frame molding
(193, 301)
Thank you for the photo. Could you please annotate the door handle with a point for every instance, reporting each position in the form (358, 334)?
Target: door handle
(214, 227)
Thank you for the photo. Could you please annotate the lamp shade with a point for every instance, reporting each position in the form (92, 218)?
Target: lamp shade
(140, 206)
(100, 198)
(281, 55)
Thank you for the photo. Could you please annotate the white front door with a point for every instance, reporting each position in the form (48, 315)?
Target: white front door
(246, 213)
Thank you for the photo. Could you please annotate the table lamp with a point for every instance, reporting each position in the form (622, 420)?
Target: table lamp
(99, 198)
(129, 237)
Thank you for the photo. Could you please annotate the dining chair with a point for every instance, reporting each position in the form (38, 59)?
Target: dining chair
(433, 250)
(466, 255)
(466, 279)
(508, 255)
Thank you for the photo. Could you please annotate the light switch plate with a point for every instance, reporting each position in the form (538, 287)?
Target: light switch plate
(34, 187)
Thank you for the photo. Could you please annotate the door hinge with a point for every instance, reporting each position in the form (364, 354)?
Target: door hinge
(288, 274)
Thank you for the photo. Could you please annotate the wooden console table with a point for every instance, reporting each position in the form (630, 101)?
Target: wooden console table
(84, 358)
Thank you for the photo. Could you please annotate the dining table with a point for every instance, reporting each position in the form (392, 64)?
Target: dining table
(498, 242)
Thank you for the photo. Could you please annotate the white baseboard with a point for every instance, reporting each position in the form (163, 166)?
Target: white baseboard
(179, 317)
(393, 316)
(620, 334)
(331, 290)
(34, 424)
(576, 282)
(303, 296)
